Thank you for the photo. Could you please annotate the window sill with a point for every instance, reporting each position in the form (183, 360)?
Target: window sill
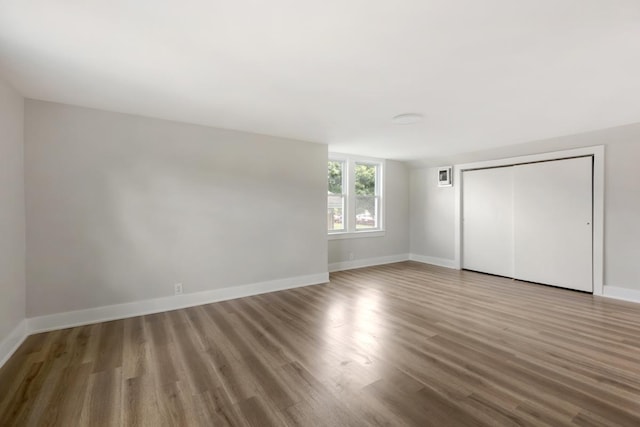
(355, 234)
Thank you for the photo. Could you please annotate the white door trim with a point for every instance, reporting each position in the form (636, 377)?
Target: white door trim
(597, 152)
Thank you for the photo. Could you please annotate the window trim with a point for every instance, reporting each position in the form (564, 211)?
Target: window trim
(349, 175)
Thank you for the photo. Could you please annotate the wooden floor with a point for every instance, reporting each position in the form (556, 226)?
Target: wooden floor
(402, 344)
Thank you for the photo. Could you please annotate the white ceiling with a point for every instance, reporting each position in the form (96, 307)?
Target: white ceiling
(484, 73)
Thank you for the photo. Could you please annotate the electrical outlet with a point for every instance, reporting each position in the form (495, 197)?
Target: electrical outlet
(351, 256)
(177, 289)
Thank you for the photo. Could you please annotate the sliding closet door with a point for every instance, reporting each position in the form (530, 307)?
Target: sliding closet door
(552, 223)
(487, 215)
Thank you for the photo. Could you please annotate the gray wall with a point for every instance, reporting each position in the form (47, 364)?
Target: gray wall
(120, 207)
(12, 220)
(431, 215)
(396, 238)
(432, 208)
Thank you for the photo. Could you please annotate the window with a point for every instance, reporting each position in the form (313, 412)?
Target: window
(336, 196)
(354, 202)
(366, 196)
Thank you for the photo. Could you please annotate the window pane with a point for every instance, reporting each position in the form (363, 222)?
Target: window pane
(366, 212)
(335, 212)
(365, 179)
(335, 177)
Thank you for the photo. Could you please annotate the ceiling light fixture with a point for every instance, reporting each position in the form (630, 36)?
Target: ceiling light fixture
(407, 119)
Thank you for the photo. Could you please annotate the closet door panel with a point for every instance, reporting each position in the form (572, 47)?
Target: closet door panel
(487, 215)
(552, 208)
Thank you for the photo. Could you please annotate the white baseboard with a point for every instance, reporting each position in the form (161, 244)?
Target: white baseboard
(367, 262)
(156, 305)
(441, 262)
(625, 294)
(10, 344)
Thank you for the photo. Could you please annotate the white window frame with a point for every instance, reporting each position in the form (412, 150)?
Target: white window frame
(349, 217)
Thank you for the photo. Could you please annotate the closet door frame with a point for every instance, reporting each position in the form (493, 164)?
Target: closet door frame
(597, 152)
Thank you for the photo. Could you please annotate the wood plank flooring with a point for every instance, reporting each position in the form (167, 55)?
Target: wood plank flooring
(401, 345)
